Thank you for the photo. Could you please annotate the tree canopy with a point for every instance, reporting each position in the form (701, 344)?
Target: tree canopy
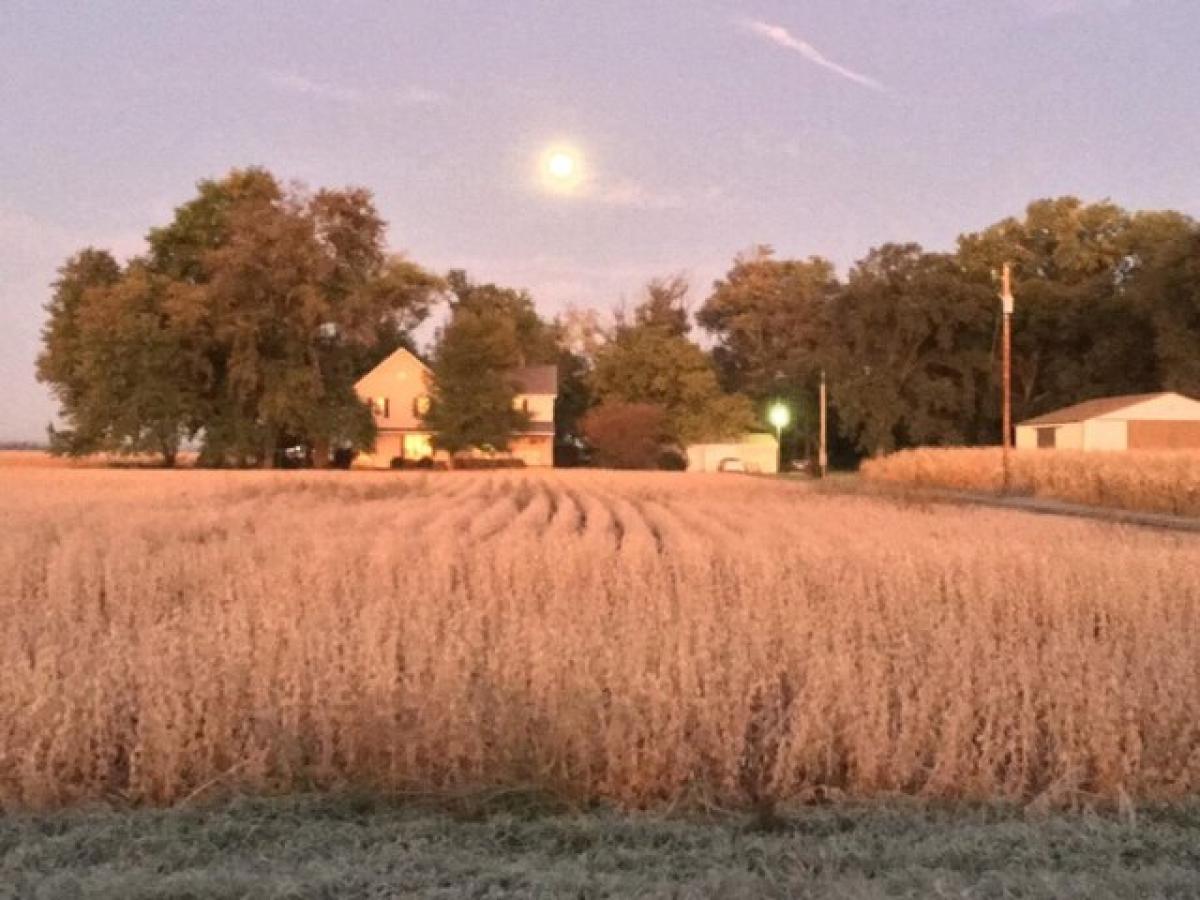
(257, 307)
(245, 325)
(650, 361)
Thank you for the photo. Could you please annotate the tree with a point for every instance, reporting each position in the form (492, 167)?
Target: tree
(142, 390)
(651, 362)
(61, 362)
(537, 343)
(768, 317)
(1169, 290)
(625, 435)
(472, 392)
(665, 306)
(288, 299)
(250, 319)
(1077, 332)
(909, 349)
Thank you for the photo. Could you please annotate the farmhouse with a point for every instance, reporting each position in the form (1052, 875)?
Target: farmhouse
(1163, 421)
(398, 391)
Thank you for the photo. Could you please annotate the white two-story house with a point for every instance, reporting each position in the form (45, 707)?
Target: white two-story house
(398, 390)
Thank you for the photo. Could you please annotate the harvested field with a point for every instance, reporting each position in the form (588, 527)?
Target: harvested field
(1142, 480)
(647, 640)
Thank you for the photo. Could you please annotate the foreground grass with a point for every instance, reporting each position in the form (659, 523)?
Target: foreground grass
(304, 847)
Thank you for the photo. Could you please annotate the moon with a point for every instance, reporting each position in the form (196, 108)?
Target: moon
(561, 164)
(561, 169)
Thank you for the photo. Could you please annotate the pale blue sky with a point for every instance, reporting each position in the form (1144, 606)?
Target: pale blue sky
(825, 126)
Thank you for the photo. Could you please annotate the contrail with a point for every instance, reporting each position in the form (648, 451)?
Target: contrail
(779, 35)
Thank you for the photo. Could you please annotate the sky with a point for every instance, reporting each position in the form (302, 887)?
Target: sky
(701, 128)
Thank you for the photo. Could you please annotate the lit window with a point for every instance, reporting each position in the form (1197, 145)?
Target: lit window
(379, 406)
(421, 405)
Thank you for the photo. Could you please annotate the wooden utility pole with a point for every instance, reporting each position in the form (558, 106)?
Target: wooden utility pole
(1006, 308)
(822, 450)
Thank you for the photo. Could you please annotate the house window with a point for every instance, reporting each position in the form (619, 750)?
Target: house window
(1045, 438)
(521, 403)
(379, 406)
(421, 405)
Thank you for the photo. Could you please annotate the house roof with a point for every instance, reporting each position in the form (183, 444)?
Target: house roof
(1092, 409)
(536, 379)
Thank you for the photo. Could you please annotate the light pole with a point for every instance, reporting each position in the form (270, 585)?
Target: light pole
(779, 416)
(823, 450)
(1006, 308)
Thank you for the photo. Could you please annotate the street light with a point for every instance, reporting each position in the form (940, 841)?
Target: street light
(780, 417)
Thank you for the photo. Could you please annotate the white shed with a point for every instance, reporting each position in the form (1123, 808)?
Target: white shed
(1163, 421)
(753, 453)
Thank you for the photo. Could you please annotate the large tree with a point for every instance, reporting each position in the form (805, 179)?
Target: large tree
(1168, 289)
(61, 364)
(909, 343)
(768, 316)
(650, 361)
(1077, 331)
(250, 319)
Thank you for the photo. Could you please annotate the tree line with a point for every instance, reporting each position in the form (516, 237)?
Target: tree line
(253, 312)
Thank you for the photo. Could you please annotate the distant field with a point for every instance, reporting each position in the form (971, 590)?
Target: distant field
(1144, 480)
(644, 640)
(40, 459)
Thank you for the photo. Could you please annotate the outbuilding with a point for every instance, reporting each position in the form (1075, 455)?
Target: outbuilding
(757, 453)
(1163, 421)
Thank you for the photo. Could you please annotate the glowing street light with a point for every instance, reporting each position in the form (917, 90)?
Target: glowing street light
(780, 417)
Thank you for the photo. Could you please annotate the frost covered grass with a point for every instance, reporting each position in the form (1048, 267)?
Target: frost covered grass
(347, 847)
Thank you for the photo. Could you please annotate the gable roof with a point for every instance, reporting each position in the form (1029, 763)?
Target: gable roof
(1092, 409)
(536, 379)
(392, 358)
(528, 379)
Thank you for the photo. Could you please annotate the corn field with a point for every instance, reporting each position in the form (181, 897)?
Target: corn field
(645, 640)
(1146, 480)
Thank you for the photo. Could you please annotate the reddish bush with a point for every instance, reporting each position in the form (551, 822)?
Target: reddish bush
(625, 435)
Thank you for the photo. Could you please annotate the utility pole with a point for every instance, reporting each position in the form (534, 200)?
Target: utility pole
(822, 450)
(1006, 308)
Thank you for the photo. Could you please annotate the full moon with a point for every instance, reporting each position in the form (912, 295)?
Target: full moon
(560, 169)
(562, 164)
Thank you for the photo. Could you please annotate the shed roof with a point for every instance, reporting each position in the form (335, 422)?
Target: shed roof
(1092, 409)
(536, 379)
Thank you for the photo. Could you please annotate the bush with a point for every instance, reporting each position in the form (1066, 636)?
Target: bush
(672, 461)
(486, 462)
(625, 435)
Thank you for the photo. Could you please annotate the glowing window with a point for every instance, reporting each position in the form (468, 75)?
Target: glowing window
(379, 406)
(421, 405)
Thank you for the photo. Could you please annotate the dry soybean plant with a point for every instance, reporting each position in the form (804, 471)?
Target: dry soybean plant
(1145, 480)
(638, 639)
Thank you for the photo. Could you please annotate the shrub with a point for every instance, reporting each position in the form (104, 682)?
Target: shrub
(488, 462)
(672, 461)
(625, 435)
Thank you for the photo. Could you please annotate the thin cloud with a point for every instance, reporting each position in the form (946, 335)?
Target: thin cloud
(301, 85)
(629, 194)
(779, 35)
(414, 95)
(293, 83)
